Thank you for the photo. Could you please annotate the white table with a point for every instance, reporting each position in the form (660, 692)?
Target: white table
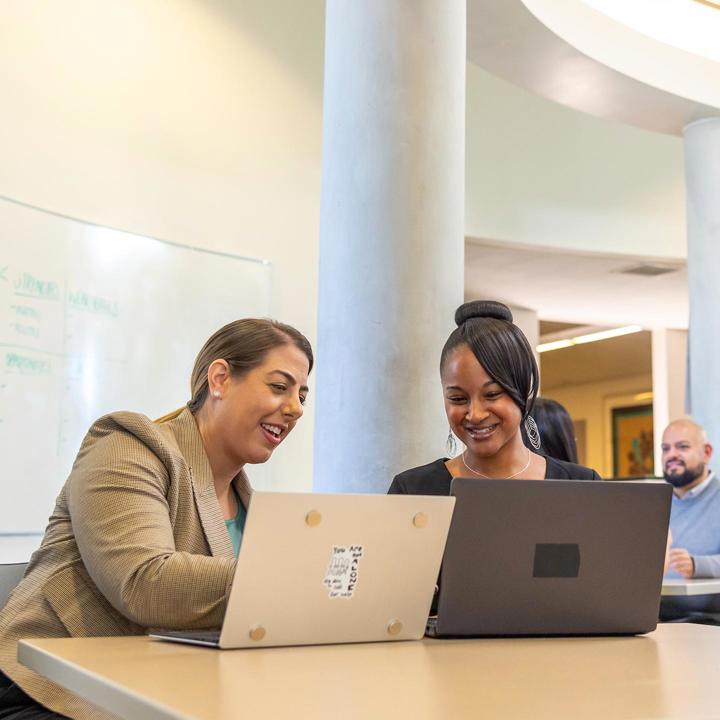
(684, 588)
(671, 673)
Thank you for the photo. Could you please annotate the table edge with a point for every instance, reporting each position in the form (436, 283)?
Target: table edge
(686, 589)
(105, 694)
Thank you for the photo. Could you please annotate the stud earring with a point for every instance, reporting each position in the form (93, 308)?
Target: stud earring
(216, 394)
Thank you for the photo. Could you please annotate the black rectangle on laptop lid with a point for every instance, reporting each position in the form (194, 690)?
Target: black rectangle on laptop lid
(553, 557)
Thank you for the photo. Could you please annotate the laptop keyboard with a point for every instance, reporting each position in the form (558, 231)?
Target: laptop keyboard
(211, 637)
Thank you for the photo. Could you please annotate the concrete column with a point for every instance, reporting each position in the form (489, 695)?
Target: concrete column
(391, 235)
(669, 356)
(702, 171)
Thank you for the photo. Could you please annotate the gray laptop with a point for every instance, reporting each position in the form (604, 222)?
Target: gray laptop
(317, 568)
(553, 557)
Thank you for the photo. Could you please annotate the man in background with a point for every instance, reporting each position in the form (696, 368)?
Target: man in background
(694, 542)
(695, 514)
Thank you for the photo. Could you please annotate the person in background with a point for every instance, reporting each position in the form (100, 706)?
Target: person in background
(489, 381)
(694, 539)
(146, 530)
(556, 429)
(695, 512)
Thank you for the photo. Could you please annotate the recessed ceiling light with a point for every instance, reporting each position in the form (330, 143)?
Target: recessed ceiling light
(554, 345)
(643, 396)
(606, 334)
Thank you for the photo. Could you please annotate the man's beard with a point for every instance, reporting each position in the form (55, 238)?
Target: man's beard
(687, 476)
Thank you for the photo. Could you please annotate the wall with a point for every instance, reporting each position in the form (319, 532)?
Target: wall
(669, 366)
(200, 122)
(588, 402)
(196, 122)
(542, 174)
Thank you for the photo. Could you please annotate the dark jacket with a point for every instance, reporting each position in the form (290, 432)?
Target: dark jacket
(434, 478)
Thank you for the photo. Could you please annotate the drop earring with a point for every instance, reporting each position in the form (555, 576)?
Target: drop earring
(532, 431)
(450, 444)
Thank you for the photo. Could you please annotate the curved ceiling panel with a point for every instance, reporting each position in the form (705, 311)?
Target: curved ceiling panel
(570, 53)
(632, 53)
(690, 25)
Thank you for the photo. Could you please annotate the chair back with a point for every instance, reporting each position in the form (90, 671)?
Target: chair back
(10, 576)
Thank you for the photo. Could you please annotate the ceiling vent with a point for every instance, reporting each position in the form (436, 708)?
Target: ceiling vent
(648, 270)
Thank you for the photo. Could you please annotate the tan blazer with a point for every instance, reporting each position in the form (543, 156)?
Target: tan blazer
(136, 540)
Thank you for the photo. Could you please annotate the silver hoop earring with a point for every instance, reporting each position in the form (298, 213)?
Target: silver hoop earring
(451, 445)
(532, 431)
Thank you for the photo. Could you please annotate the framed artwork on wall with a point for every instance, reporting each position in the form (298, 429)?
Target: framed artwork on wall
(632, 441)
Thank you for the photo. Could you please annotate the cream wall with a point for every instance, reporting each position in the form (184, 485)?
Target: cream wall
(196, 122)
(590, 402)
(539, 173)
(200, 123)
(669, 367)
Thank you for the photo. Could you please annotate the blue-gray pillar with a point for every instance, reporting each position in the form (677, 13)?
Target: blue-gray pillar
(391, 235)
(702, 170)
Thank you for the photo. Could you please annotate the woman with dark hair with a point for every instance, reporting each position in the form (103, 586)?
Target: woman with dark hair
(147, 527)
(490, 381)
(556, 430)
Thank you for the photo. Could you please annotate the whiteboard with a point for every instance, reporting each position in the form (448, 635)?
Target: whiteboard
(94, 320)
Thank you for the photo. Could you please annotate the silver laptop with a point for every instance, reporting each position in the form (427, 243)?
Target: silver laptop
(553, 557)
(317, 568)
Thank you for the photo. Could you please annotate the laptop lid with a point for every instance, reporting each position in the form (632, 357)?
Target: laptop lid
(319, 568)
(553, 557)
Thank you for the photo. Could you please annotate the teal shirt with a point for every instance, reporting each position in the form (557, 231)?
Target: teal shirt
(236, 526)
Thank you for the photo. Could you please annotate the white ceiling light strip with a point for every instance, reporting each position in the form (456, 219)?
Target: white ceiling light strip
(588, 338)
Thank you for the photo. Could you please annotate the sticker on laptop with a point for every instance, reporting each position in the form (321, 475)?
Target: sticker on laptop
(342, 573)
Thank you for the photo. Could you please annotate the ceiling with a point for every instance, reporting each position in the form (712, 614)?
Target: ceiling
(551, 327)
(592, 63)
(594, 362)
(690, 25)
(577, 287)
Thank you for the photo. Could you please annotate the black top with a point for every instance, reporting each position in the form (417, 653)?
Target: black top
(434, 478)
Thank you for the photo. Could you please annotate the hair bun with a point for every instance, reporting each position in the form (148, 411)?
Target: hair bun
(482, 309)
